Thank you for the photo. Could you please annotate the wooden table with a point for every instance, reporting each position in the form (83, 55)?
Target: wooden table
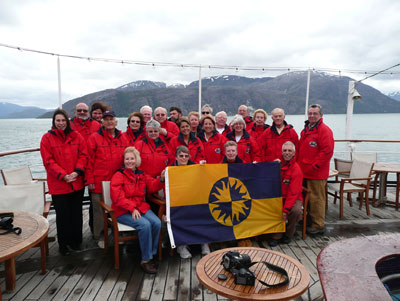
(209, 267)
(383, 169)
(34, 231)
(347, 268)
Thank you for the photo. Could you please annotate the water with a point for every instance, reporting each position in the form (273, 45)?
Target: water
(26, 133)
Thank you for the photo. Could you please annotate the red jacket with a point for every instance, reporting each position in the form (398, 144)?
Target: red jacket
(292, 184)
(155, 155)
(106, 155)
(226, 131)
(196, 149)
(172, 130)
(132, 137)
(248, 149)
(63, 154)
(249, 123)
(257, 131)
(128, 189)
(85, 127)
(271, 141)
(214, 150)
(315, 151)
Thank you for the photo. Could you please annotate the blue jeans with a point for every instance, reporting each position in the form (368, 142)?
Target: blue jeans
(148, 227)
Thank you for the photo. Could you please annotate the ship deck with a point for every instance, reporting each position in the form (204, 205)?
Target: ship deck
(90, 274)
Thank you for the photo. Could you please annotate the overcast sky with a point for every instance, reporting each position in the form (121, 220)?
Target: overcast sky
(362, 35)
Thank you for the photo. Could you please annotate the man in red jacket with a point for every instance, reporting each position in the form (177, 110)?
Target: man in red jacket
(168, 128)
(292, 188)
(315, 152)
(244, 111)
(82, 123)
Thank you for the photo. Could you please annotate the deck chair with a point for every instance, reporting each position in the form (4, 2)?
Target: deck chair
(306, 197)
(26, 197)
(20, 175)
(343, 167)
(358, 181)
(111, 221)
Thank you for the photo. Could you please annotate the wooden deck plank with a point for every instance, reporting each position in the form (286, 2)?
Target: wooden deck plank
(119, 289)
(147, 287)
(134, 284)
(160, 281)
(108, 285)
(195, 287)
(171, 285)
(184, 280)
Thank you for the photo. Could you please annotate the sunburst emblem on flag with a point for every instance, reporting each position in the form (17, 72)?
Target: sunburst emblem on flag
(229, 201)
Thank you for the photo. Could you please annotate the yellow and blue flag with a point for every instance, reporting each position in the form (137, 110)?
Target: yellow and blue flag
(222, 202)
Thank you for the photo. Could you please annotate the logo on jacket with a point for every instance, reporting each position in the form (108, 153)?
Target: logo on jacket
(286, 181)
(313, 143)
(247, 150)
(218, 150)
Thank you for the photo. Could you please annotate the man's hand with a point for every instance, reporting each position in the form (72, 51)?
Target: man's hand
(284, 216)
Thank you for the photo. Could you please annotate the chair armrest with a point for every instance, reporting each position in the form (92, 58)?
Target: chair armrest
(355, 179)
(344, 172)
(39, 179)
(106, 208)
(46, 209)
(155, 199)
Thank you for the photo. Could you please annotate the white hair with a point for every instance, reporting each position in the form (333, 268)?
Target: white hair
(146, 108)
(238, 119)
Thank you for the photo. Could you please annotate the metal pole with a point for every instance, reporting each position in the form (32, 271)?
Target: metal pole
(59, 83)
(349, 115)
(308, 93)
(200, 90)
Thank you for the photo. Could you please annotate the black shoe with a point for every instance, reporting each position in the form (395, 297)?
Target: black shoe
(64, 251)
(273, 242)
(315, 231)
(285, 240)
(76, 247)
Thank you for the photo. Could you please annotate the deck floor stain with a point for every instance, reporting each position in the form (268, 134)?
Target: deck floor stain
(90, 274)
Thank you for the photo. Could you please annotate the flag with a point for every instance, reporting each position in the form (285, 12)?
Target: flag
(222, 202)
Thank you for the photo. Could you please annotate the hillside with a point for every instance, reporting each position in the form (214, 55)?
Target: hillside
(226, 93)
(10, 110)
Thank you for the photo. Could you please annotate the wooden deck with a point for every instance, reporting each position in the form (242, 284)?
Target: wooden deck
(90, 274)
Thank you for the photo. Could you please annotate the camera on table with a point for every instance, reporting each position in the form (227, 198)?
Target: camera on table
(238, 264)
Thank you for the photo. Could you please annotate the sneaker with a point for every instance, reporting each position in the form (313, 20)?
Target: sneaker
(100, 243)
(184, 252)
(273, 242)
(205, 249)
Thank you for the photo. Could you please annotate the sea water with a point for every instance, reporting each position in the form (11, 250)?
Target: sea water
(18, 134)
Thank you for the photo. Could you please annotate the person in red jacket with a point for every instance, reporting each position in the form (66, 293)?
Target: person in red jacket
(168, 129)
(128, 189)
(82, 122)
(243, 110)
(135, 129)
(106, 148)
(65, 159)
(231, 153)
(188, 139)
(248, 149)
(154, 152)
(315, 152)
(220, 123)
(259, 126)
(194, 120)
(274, 137)
(97, 109)
(213, 142)
(292, 194)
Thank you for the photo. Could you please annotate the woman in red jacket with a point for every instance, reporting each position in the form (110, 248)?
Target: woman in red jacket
(259, 126)
(154, 152)
(213, 142)
(65, 159)
(128, 190)
(248, 149)
(135, 129)
(188, 139)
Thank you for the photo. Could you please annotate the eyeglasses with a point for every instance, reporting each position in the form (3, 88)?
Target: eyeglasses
(205, 113)
(135, 121)
(160, 115)
(183, 156)
(152, 131)
(82, 110)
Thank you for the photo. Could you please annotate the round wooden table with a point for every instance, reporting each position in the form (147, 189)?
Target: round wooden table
(209, 267)
(34, 231)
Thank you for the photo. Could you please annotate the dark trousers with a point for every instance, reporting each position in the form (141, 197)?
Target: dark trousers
(69, 217)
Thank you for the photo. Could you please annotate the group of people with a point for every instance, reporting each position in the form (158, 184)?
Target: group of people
(88, 149)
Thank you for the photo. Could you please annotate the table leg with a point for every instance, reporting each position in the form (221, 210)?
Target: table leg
(382, 187)
(10, 274)
(43, 255)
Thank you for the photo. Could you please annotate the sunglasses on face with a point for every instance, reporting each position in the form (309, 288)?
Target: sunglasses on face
(160, 115)
(82, 110)
(183, 156)
(205, 113)
(135, 121)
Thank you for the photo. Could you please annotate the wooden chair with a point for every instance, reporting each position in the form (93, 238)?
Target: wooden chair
(343, 167)
(359, 181)
(20, 175)
(160, 201)
(111, 221)
(28, 197)
(306, 197)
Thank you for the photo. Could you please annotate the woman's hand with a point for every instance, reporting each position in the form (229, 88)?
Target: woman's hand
(163, 132)
(136, 214)
(203, 162)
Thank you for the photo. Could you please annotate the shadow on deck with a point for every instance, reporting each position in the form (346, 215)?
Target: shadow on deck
(90, 274)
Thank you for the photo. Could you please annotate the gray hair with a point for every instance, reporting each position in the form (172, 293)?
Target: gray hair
(289, 143)
(237, 119)
(278, 109)
(153, 124)
(316, 106)
(160, 108)
(146, 107)
(230, 143)
(181, 149)
(221, 112)
(207, 106)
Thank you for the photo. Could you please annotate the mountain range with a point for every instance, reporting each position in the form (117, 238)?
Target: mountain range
(10, 110)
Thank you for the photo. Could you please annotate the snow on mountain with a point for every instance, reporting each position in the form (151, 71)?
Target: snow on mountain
(143, 85)
(394, 95)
